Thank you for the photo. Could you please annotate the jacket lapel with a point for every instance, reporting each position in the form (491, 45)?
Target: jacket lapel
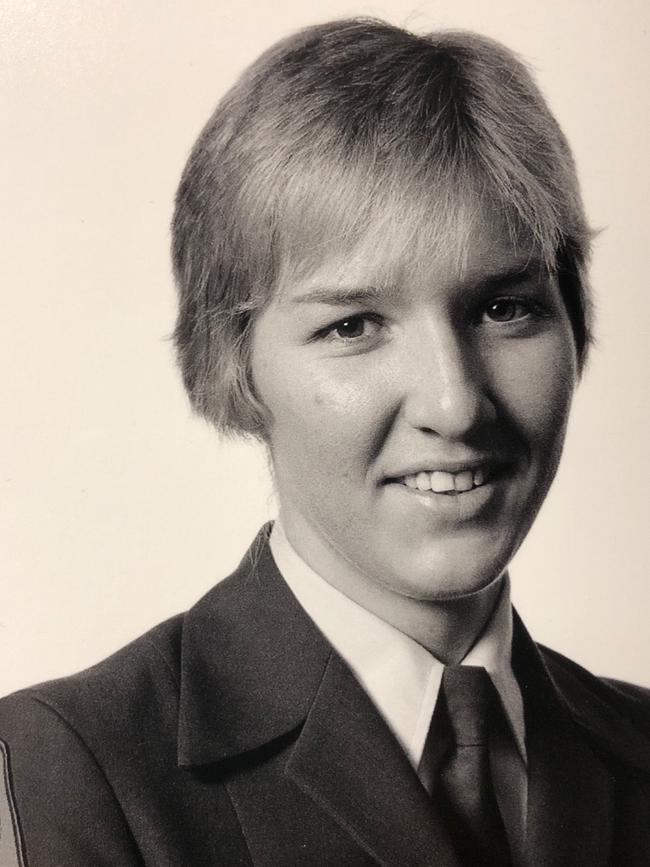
(570, 791)
(266, 699)
(251, 663)
(349, 763)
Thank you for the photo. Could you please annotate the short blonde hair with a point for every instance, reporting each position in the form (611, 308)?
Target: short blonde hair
(345, 129)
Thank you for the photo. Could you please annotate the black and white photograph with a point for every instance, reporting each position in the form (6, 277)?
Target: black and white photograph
(325, 417)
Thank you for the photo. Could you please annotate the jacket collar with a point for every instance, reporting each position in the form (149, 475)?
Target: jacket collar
(241, 687)
(251, 663)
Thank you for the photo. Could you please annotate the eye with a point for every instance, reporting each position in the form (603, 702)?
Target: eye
(508, 310)
(350, 328)
(356, 328)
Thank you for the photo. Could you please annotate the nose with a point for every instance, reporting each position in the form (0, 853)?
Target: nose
(446, 388)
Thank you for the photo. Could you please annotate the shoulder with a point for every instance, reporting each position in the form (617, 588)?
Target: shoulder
(67, 745)
(616, 714)
(129, 681)
(634, 700)
(130, 693)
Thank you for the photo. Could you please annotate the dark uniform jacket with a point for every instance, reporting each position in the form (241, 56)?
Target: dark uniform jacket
(235, 735)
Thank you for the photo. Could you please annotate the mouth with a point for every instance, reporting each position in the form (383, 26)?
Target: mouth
(448, 483)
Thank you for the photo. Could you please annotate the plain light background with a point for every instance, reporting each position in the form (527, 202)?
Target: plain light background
(118, 507)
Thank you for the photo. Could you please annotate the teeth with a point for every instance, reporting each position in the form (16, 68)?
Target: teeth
(441, 482)
(464, 481)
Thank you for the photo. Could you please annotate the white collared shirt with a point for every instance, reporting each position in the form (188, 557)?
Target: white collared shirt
(399, 675)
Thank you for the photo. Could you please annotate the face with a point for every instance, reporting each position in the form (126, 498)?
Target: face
(417, 422)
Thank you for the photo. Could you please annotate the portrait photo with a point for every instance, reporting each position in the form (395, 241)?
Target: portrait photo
(325, 411)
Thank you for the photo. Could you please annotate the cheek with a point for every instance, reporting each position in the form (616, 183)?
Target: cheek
(536, 388)
(313, 411)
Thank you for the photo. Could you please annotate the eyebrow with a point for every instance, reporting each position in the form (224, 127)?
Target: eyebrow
(512, 277)
(342, 295)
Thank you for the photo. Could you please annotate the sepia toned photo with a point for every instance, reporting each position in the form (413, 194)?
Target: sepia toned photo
(326, 364)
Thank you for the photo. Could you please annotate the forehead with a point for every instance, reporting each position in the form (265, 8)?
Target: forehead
(395, 251)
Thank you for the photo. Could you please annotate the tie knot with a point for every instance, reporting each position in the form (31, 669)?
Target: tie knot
(468, 695)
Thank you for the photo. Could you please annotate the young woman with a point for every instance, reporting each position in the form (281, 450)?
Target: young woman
(380, 250)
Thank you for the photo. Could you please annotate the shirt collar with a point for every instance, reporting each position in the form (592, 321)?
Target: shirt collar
(398, 674)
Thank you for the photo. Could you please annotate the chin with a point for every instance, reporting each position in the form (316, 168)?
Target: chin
(444, 578)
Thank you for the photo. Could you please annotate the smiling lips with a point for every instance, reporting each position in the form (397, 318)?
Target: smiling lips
(441, 482)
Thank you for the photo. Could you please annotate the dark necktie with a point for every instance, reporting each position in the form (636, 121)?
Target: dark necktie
(468, 708)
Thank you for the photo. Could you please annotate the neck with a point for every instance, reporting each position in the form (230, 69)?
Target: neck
(447, 628)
